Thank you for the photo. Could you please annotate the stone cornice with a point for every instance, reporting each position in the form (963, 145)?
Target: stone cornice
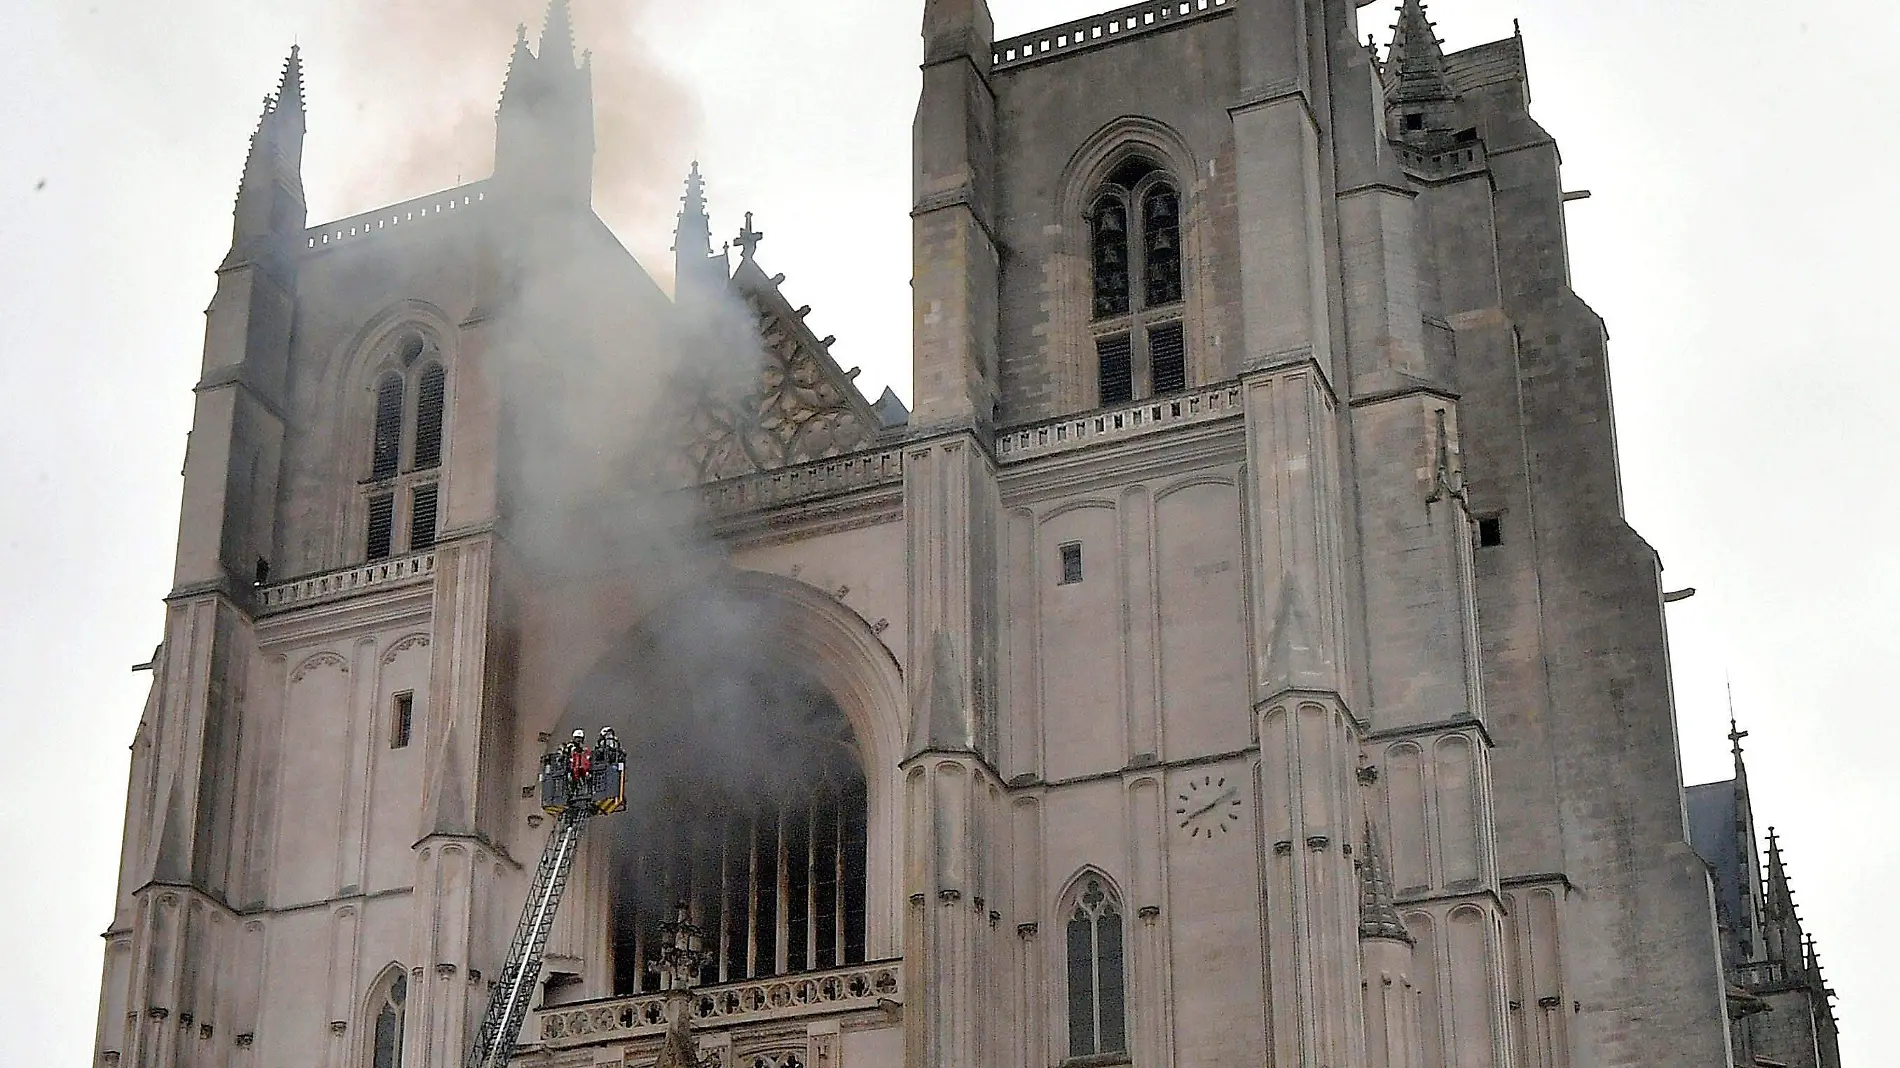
(1422, 730)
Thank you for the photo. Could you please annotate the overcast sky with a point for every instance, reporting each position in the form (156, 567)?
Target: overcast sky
(1739, 243)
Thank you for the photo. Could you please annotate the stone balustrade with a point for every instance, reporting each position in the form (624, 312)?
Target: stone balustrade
(728, 1005)
(787, 485)
(1126, 421)
(383, 574)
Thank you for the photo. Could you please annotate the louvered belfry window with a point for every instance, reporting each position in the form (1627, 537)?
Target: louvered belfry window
(1114, 355)
(430, 394)
(382, 526)
(1167, 358)
(422, 518)
(402, 494)
(386, 450)
(1138, 286)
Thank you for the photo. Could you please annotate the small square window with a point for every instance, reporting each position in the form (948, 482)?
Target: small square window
(401, 719)
(1071, 563)
(1490, 532)
(1415, 121)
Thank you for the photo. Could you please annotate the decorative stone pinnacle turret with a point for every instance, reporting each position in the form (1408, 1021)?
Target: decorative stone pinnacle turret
(557, 32)
(693, 235)
(1378, 912)
(1415, 64)
(290, 86)
(681, 961)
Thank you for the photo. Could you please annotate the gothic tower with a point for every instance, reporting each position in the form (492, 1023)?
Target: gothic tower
(1239, 655)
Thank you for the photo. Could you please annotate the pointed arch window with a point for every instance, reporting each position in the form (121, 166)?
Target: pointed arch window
(1137, 283)
(388, 1011)
(1098, 1022)
(402, 496)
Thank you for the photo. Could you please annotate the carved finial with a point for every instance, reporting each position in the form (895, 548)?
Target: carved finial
(749, 239)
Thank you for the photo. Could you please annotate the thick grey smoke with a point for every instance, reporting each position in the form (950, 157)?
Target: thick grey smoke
(597, 369)
(429, 74)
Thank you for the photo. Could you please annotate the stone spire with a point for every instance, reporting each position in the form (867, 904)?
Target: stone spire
(1378, 912)
(270, 195)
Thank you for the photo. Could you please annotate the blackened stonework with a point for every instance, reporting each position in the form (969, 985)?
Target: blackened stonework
(1238, 653)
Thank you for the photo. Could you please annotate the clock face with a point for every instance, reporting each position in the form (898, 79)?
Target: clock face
(1208, 806)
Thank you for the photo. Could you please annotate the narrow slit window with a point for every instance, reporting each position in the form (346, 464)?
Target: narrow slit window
(1167, 357)
(1071, 563)
(422, 517)
(1115, 356)
(386, 449)
(430, 396)
(1161, 229)
(382, 526)
(402, 718)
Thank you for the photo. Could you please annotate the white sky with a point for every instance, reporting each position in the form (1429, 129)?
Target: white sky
(1739, 245)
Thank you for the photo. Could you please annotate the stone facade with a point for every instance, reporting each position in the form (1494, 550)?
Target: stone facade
(1313, 713)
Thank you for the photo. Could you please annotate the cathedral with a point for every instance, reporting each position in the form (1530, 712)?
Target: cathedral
(1236, 655)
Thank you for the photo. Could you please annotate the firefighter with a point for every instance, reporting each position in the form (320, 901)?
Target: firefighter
(580, 762)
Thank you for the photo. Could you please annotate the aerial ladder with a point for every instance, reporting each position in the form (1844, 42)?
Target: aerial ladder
(578, 782)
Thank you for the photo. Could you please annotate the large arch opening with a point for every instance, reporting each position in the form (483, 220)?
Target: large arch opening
(748, 796)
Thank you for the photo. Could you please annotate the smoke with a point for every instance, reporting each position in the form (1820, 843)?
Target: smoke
(420, 80)
(593, 366)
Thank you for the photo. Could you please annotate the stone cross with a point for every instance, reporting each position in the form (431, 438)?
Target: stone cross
(749, 238)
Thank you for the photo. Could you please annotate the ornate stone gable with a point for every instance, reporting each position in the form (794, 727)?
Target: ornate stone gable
(801, 407)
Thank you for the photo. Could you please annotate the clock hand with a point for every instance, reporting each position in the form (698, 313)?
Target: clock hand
(1210, 805)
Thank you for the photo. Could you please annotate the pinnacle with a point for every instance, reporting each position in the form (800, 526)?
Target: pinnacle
(694, 235)
(557, 31)
(290, 86)
(1415, 64)
(1378, 913)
